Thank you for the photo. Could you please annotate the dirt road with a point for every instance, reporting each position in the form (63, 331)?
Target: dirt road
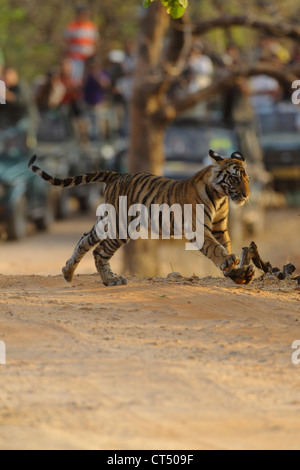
(200, 364)
(156, 364)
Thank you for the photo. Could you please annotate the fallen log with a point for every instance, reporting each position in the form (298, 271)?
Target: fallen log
(257, 260)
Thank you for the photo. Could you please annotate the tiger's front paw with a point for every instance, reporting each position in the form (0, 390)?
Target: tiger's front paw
(230, 262)
(241, 276)
(68, 274)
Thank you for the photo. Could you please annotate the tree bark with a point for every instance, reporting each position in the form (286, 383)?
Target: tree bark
(146, 137)
(174, 108)
(146, 142)
(146, 148)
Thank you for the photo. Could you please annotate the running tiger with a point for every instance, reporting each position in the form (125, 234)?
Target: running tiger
(213, 186)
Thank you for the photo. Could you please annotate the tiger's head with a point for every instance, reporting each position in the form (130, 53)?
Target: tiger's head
(230, 177)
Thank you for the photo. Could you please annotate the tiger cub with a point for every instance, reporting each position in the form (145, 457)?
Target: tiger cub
(212, 187)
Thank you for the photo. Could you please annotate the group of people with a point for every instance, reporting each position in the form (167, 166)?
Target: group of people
(204, 64)
(92, 93)
(16, 97)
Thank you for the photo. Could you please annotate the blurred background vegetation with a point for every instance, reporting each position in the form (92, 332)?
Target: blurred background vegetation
(31, 33)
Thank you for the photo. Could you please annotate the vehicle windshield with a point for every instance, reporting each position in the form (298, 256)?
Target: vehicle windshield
(279, 121)
(193, 142)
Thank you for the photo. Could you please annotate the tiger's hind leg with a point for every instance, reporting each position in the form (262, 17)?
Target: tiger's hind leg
(103, 254)
(85, 244)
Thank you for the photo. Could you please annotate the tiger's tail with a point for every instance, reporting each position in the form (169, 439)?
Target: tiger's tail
(89, 178)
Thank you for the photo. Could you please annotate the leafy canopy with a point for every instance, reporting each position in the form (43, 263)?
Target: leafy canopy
(175, 8)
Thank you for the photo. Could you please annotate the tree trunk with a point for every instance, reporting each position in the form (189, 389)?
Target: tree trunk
(146, 156)
(146, 152)
(146, 149)
(147, 134)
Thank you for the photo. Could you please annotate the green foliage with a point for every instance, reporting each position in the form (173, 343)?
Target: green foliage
(8, 16)
(31, 32)
(175, 8)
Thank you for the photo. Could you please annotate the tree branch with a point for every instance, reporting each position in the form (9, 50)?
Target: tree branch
(276, 29)
(170, 61)
(179, 46)
(175, 57)
(177, 106)
(154, 26)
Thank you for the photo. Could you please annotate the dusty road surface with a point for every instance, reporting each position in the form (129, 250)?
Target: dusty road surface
(158, 364)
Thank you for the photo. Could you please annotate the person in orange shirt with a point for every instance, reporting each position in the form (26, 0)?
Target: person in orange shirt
(82, 38)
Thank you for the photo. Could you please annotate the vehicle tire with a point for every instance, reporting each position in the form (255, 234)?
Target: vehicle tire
(17, 224)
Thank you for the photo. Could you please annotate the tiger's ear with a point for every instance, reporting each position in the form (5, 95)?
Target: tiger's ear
(215, 156)
(238, 156)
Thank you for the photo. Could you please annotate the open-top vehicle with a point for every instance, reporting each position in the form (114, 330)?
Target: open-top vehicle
(22, 197)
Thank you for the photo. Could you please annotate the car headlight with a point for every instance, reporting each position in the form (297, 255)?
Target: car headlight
(2, 191)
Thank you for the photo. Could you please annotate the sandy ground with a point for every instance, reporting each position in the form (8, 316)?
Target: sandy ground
(157, 364)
